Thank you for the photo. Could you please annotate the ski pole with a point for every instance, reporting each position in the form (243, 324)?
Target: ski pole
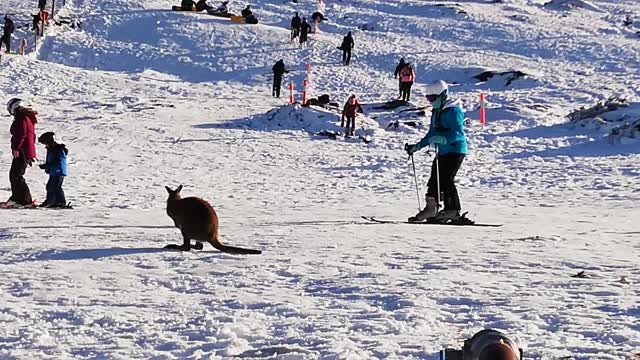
(415, 177)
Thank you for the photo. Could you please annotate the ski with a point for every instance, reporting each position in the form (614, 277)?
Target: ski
(464, 222)
(7, 205)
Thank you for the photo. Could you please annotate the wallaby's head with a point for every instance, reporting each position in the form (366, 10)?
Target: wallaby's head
(174, 195)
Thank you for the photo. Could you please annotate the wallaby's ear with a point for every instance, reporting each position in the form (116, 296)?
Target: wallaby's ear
(168, 189)
(179, 188)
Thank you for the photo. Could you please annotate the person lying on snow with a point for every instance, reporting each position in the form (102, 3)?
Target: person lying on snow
(56, 167)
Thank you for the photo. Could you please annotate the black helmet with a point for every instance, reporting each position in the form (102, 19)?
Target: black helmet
(46, 138)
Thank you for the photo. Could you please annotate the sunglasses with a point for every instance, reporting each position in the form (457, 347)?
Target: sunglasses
(431, 98)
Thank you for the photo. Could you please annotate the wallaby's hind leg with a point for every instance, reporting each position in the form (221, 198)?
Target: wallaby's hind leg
(186, 245)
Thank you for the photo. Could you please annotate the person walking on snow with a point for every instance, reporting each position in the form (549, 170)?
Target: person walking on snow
(395, 76)
(407, 76)
(351, 107)
(278, 72)
(23, 150)
(7, 29)
(305, 28)
(446, 132)
(296, 22)
(56, 167)
(347, 45)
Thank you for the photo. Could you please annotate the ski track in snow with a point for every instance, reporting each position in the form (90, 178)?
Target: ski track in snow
(145, 97)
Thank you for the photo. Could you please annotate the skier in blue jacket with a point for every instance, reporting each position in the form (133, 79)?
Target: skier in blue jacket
(447, 133)
(56, 167)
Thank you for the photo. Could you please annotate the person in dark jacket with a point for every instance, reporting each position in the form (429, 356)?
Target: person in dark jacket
(305, 28)
(56, 167)
(23, 150)
(7, 30)
(317, 16)
(351, 107)
(187, 5)
(278, 72)
(202, 5)
(296, 22)
(399, 68)
(246, 12)
(347, 45)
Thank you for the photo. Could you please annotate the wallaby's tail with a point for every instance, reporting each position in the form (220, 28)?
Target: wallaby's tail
(235, 250)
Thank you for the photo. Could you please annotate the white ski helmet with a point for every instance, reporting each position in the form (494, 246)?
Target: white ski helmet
(13, 104)
(436, 88)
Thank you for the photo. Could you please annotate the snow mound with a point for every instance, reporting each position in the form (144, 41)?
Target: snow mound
(487, 78)
(616, 116)
(312, 120)
(571, 4)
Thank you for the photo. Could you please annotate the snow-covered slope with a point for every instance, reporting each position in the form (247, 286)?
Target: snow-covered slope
(146, 97)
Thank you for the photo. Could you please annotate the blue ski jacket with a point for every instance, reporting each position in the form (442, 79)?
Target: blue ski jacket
(447, 122)
(56, 164)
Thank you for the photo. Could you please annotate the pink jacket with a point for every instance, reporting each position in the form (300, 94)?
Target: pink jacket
(407, 74)
(23, 134)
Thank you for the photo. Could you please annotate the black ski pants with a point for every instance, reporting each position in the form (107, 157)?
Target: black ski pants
(351, 125)
(277, 84)
(346, 56)
(19, 189)
(295, 32)
(6, 39)
(449, 166)
(55, 194)
(405, 90)
(303, 38)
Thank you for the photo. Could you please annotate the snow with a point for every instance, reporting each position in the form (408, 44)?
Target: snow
(145, 97)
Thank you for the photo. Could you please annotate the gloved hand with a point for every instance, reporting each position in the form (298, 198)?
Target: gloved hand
(411, 148)
(43, 166)
(15, 153)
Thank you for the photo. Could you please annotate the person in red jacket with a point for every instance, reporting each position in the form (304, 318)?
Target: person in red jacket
(23, 149)
(349, 111)
(407, 77)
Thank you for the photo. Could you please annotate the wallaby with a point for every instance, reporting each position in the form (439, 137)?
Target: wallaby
(197, 220)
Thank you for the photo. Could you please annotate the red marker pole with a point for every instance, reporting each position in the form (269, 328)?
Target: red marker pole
(483, 118)
(290, 93)
(315, 26)
(304, 92)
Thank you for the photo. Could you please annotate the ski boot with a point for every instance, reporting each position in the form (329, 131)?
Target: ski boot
(446, 216)
(428, 212)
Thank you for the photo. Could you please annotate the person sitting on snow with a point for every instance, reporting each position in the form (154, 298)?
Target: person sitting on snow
(56, 167)
(446, 132)
(246, 12)
(202, 5)
(187, 5)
